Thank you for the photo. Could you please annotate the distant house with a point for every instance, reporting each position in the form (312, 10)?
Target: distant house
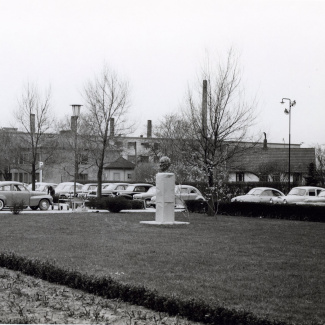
(119, 170)
(271, 164)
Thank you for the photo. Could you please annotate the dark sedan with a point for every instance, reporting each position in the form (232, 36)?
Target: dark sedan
(133, 189)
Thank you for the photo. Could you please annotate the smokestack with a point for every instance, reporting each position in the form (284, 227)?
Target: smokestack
(111, 126)
(204, 108)
(149, 129)
(265, 142)
(32, 123)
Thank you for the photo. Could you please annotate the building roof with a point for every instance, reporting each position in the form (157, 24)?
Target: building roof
(120, 163)
(257, 159)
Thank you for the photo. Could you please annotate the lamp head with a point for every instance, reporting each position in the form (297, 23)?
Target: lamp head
(282, 102)
(293, 103)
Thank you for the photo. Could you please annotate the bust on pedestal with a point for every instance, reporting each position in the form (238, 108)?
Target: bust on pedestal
(165, 197)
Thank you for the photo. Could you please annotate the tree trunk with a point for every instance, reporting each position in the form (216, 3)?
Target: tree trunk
(99, 179)
(33, 176)
(211, 201)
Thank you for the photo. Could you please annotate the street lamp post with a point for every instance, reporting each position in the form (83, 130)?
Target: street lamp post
(288, 112)
(74, 120)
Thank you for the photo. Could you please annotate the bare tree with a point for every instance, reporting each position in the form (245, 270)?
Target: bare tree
(215, 122)
(9, 151)
(107, 103)
(320, 163)
(35, 119)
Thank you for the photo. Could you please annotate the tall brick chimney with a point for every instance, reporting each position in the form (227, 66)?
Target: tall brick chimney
(149, 129)
(204, 108)
(265, 142)
(111, 127)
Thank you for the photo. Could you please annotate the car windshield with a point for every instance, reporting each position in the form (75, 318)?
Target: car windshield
(321, 194)
(41, 188)
(297, 191)
(254, 191)
(64, 187)
(130, 188)
(152, 190)
(86, 188)
(109, 187)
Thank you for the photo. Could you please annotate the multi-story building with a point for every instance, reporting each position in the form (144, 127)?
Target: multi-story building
(261, 162)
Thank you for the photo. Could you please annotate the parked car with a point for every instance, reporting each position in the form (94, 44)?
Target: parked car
(16, 192)
(133, 189)
(259, 194)
(183, 193)
(65, 190)
(315, 200)
(108, 189)
(146, 196)
(298, 194)
(86, 189)
(41, 186)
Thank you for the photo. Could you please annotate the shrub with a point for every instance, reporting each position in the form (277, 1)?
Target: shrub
(17, 207)
(116, 204)
(136, 205)
(193, 309)
(274, 211)
(113, 204)
(196, 206)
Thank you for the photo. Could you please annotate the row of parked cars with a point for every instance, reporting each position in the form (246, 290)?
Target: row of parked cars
(298, 195)
(12, 192)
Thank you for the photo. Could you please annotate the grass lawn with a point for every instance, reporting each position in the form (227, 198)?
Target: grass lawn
(273, 268)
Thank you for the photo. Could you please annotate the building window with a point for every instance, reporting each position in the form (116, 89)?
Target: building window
(144, 159)
(264, 178)
(145, 145)
(83, 177)
(132, 145)
(276, 178)
(129, 176)
(131, 158)
(83, 158)
(297, 177)
(240, 177)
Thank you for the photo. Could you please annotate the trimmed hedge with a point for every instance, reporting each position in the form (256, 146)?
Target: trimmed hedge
(264, 210)
(114, 204)
(195, 310)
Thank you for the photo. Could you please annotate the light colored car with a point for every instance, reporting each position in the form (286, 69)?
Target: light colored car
(108, 189)
(41, 186)
(146, 196)
(298, 194)
(259, 194)
(86, 189)
(16, 192)
(315, 200)
(65, 190)
(183, 193)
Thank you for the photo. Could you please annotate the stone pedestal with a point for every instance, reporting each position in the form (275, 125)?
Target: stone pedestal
(165, 200)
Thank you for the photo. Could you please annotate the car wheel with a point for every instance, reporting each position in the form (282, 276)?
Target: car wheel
(2, 205)
(44, 204)
(147, 203)
(34, 207)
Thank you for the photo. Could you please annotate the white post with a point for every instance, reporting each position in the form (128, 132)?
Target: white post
(165, 200)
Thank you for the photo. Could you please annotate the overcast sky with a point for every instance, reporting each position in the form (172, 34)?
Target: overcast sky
(159, 46)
